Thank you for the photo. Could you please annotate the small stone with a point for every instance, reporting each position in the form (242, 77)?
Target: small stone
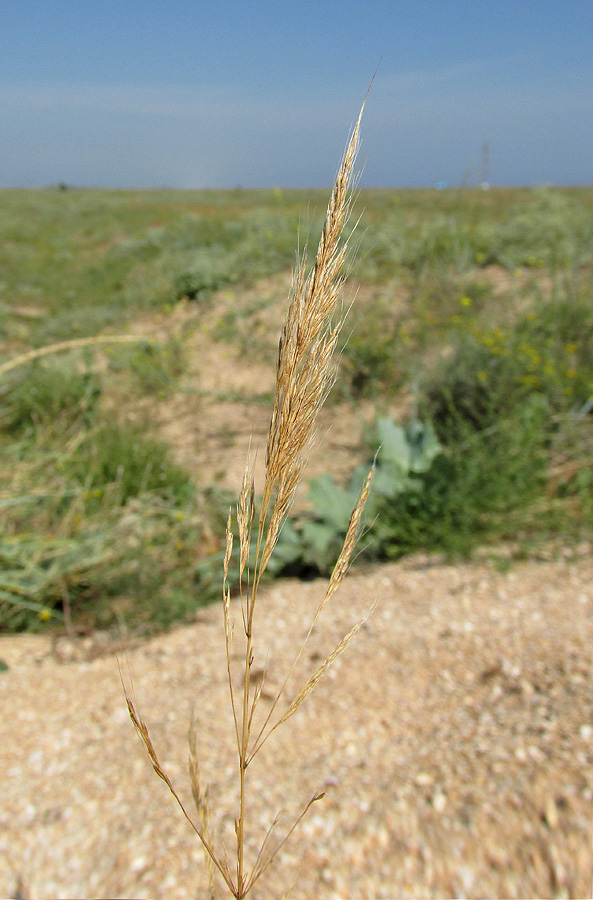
(439, 801)
(467, 878)
(424, 779)
(527, 689)
(551, 813)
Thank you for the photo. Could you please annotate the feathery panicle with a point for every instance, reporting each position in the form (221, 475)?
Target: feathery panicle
(304, 369)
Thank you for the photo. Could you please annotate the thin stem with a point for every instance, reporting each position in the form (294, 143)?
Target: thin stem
(243, 765)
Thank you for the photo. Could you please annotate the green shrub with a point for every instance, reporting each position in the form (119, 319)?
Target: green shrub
(370, 358)
(209, 270)
(155, 368)
(474, 385)
(134, 563)
(122, 460)
(493, 370)
(37, 570)
(549, 231)
(258, 243)
(47, 394)
(480, 487)
(441, 243)
(450, 494)
(311, 543)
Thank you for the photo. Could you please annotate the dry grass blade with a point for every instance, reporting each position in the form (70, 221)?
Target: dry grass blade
(227, 551)
(304, 374)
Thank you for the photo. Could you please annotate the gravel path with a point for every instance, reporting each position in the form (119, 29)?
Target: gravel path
(454, 740)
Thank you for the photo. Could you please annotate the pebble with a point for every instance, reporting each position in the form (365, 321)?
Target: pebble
(439, 801)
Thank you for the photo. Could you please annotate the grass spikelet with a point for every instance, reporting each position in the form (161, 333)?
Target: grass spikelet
(201, 802)
(142, 731)
(228, 550)
(320, 672)
(245, 515)
(352, 533)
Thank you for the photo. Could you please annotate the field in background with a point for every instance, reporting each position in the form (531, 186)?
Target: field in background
(468, 357)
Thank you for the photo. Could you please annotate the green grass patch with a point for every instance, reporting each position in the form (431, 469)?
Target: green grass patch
(475, 315)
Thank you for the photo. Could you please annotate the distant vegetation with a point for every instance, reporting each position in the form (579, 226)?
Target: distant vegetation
(471, 339)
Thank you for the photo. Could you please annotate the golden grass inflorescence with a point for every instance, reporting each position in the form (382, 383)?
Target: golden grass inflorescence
(304, 374)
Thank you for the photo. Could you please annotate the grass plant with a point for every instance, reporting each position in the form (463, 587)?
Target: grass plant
(305, 371)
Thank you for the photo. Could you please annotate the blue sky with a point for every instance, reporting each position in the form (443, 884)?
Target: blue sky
(124, 93)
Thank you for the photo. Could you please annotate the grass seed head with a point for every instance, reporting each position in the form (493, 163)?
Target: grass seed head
(305, 367)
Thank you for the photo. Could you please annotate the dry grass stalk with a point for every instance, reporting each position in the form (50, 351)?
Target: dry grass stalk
(73, 344)
(305, 372)
(201, 802)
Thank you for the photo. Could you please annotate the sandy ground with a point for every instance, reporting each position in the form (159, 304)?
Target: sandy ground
(454, 740)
